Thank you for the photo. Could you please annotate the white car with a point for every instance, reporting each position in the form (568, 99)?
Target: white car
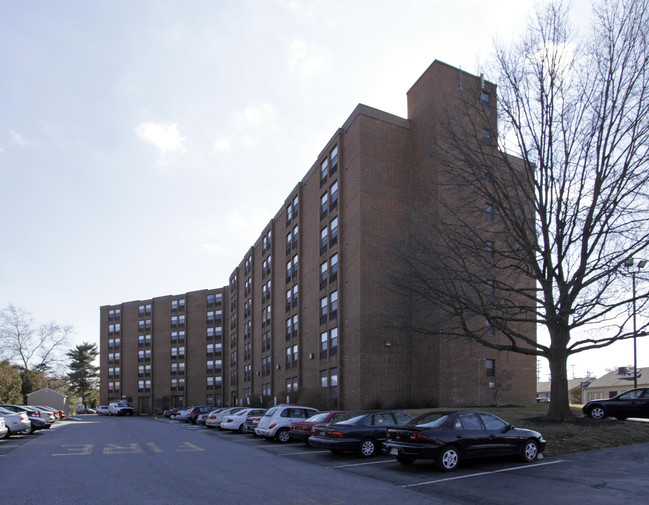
(276, 422)
(4, 431)
(103, 410)
(216, 416)
(16, 422)
(236, 420)
(181, 415)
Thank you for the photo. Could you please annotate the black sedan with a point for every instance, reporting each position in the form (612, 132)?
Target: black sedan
(633, 403)
(363, 433)
(449, 437)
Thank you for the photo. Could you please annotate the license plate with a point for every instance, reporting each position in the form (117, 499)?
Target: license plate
(394, 451)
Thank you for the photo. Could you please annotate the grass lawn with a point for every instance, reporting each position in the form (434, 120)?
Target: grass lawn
(583, 434)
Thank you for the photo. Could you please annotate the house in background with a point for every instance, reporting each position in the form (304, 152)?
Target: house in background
(615, 382)
(575, 389)
(49, 398)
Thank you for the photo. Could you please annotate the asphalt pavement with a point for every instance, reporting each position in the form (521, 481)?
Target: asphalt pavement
(109, 460)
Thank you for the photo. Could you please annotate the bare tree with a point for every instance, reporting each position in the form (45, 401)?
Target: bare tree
(564, 185)
(31, 347)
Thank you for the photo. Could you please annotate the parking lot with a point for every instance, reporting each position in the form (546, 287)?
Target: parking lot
(598, 477)
(164, 461)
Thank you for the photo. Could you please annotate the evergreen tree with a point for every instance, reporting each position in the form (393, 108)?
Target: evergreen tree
(83, 374)
(10, 384)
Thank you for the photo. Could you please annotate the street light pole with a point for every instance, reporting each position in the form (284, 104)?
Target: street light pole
(629, 264)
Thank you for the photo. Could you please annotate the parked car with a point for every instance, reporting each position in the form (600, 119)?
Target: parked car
(363, 433)
(170, 412)
(235, 421)
(47, 415)
(197, 411)
(251, 423)
(103, 410)
(182, 414)
(4, 431)
(450, 437)
(301, 430)
(57, 414)
(120, 409)
(29, 411)
(216, 416)
(16, 422)
(276, 422)
(38, 423)
(633, 403)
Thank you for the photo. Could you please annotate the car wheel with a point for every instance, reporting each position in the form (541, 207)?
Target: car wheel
(241, 429)
(597, 412)
(448, 459)
(283, 435)
(405, 460)
(367, 448)
(529, 451)
(6, 435)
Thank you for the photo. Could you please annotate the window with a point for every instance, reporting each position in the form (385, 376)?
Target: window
(333, 341)
(489, 211)
(323, 344)
(334, 230)
(324, 378)
(323, 309)
(489, 250)
(490, 367)
(324, 169)
(490, 331)
(295, 236)
(334, 195)
(333, 305)
(295, 296)
(289, 241)
(490, 289)
(295, 266)
(323, 275)
(323, 239)
(334, 159)
(333, 382)
(295, 325)
(289, 213)
(486, 137)
(333, 262)
(484, 98)
(324, 201)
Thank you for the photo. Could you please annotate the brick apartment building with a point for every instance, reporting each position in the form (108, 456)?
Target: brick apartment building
(305, 311)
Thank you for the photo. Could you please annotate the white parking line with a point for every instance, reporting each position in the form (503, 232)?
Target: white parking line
(362, 464)
(482, 474)
(302, 453)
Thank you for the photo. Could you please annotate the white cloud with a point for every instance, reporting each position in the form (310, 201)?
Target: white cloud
(258, 115)
(222, 144)
(304, 58)
(20, 140)
(165, 137)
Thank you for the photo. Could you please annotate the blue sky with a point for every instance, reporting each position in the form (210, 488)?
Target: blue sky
(126, 126)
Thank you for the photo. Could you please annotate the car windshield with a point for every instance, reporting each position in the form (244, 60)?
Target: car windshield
(432, 420)
(318, 418)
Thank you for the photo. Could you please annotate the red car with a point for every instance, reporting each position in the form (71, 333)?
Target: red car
(302, 430)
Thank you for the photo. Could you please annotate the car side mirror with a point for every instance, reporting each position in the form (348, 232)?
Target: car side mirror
(507, 428)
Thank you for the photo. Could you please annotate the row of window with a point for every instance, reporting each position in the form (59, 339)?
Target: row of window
(329, 235)
(329, 200)
(331, 161)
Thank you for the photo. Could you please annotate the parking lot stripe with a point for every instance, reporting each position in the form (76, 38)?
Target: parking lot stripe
(481, 474)
(362, 464)
(303, 452)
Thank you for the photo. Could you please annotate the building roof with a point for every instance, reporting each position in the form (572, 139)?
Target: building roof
(47, 390)
(543, 388)
(622, 377)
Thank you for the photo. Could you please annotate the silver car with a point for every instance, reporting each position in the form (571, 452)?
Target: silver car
(16, 422)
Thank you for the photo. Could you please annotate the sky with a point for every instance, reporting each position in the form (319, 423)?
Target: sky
(144, 145)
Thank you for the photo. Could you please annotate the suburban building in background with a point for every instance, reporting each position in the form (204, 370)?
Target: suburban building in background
(304, 314)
